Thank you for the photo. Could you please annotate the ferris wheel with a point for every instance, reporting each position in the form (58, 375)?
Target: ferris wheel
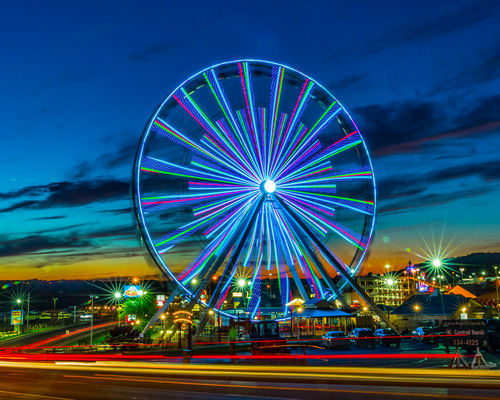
(251, 172)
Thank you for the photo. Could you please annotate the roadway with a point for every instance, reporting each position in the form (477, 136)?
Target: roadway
(118, 380)
(56, 336)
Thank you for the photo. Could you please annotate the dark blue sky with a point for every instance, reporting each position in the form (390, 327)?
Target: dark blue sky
(79, 81)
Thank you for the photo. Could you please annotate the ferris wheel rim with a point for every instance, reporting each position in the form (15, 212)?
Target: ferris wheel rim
(136, 190)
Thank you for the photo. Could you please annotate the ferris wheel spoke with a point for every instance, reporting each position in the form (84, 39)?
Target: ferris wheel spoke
(347, 142)
(361, 206)
(299, 257)
(160, 203)
(168, 241)
(162, 128)
(218, 92)
(192, 108)
(276, 86)
(237, 240)
(154, 165)
(306, 245)
(298, 156)
(246, 83)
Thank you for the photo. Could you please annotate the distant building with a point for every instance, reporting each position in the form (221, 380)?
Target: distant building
(432, 310)
(379, 289)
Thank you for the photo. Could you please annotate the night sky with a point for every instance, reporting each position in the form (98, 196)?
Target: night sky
(79, 81)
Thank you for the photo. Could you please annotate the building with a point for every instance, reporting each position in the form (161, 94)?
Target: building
(432, 310)
(390, 290)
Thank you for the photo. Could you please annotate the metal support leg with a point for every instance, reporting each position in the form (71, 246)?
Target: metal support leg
(238, 240)
(335, 263)
(158, 313)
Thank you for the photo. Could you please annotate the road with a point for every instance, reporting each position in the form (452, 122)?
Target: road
(117, 380)
(56, 336)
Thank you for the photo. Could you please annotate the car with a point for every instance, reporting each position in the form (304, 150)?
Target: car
(335, 339)
(388, 337)
(420, 334)
(362, 337)
(436, 334)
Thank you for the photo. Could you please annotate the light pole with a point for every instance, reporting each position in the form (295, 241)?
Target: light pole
(300, 312)
(416, 308)
(92, 296)
(462, 272)
(496, 285)
(118, 295)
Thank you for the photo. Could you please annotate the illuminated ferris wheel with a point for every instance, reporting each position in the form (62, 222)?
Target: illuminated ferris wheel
(250, 170)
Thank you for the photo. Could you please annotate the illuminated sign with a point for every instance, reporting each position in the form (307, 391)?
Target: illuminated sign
(160, 299)
(183, 316)
(422, 287)
(237, 294)
(16, 317)
(132, 291)
(131, 318)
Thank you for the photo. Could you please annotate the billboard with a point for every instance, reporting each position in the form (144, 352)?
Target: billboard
(16, 317)
(132, 291)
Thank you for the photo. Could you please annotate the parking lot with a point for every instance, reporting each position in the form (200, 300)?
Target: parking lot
(419, 355)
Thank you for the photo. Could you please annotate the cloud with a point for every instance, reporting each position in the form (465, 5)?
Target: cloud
(69, 194)
(488, 171)
(48, 218)
(396, 123)
(430, 28)
(34, 244)
(118, 211)
(432, 199)
(487, 69)
(411, 127)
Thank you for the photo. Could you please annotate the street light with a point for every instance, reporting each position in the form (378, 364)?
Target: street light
(55, 299)
(436, 263)
(241, 283)
(416, 308)
(300, 312)
(462, 272)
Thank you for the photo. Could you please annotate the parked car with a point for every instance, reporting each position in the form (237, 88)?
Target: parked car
(420, 334)
(388, 337)
(335, 339)
(435, 334)
(362, 337)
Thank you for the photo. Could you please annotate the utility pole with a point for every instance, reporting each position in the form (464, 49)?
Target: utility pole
(55, 299)
(92, 296)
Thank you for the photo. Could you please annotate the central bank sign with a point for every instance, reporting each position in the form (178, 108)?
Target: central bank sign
(468, 333)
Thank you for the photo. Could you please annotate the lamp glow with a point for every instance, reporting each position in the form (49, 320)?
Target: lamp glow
(269, 186)
(390, 282)
(436, 263)
(118, 295)
(241, 283)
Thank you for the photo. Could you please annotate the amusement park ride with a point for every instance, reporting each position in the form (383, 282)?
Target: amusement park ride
(252, 169)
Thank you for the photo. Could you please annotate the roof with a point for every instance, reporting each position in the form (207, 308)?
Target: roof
(447, 304)
(472, 290)
(316, 313)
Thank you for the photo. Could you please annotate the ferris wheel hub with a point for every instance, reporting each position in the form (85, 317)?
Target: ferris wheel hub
(268, 186)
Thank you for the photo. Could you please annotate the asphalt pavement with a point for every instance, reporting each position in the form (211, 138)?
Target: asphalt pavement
(130, 380)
